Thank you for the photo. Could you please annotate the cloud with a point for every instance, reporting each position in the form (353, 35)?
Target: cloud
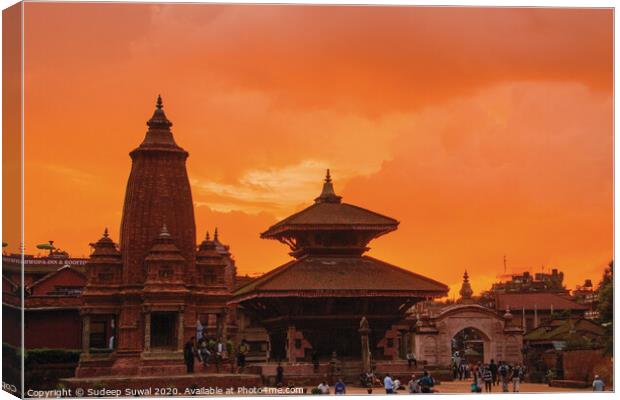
(522, 169)
(274, 190)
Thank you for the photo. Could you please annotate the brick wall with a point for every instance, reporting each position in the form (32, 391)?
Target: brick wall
(582, 365)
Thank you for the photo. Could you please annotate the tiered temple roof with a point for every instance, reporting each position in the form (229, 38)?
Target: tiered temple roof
(328, 240)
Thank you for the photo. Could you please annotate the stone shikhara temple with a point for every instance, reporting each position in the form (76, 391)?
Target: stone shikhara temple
(144, 299)
(146, 296)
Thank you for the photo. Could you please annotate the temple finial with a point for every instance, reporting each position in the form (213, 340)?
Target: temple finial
(215, 234)
(327, 194)
(160, 103)
(466, 291)
(105, 233)
(208, 237)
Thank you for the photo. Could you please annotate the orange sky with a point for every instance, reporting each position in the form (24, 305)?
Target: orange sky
(484, 131)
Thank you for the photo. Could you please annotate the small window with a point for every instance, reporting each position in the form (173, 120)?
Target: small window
(98, 334)
(67, 290)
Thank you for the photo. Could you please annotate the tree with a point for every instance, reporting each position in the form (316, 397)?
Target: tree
(606, 306)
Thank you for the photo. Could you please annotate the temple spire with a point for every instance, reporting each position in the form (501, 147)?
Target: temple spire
(328, 195)
(208, 237)
(159, 119)
(105, 233)
(215, 235)
(466, 291)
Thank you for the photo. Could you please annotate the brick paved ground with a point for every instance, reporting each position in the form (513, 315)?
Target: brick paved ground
(463, 387)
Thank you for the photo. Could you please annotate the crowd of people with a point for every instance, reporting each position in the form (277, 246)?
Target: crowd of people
(212, 352)
(484, 377)
(489, 375)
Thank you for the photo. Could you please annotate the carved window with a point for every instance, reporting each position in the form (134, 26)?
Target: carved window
(67, 290)
(98, 334)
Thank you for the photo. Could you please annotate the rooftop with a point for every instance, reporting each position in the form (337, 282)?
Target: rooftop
(341, 276)
(539, 301)
(329, 213)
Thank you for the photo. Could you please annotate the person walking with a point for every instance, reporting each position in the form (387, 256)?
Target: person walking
(517, 375)
(189, 352)
(493, 368)
(476, 381)
(487, 377)
(461, 371)
(242, 352)
(203, 353)
(388, 384)
(597, 384)
(219, 353)
(426, 383)
(503, 371)
(279, 375)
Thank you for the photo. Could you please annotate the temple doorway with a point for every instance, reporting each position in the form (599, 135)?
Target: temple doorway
(344, 341)
(163, 330)
(468, 345)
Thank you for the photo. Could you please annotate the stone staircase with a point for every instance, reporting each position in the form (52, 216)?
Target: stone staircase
(350, 371)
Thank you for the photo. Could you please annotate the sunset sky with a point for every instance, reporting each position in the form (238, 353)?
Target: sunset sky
(485, 132)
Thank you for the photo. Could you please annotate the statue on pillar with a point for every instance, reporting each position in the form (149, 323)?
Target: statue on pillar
(364, 331)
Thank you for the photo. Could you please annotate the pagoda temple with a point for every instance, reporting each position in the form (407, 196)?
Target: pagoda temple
(332, 297)
(147, 296)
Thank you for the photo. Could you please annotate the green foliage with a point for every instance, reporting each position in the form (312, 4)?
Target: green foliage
(52, 356)
(11, 354)
(605, 307)
(316, 390)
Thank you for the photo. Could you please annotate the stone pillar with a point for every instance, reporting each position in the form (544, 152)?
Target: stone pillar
(225, 332)
(147, 331)
(364, 332)
(86, 334)
(181, 330)
(290, 344)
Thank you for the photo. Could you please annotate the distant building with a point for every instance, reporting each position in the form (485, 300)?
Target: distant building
(53, 285)
(526, 282)
(531, 310)
(586, 294)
